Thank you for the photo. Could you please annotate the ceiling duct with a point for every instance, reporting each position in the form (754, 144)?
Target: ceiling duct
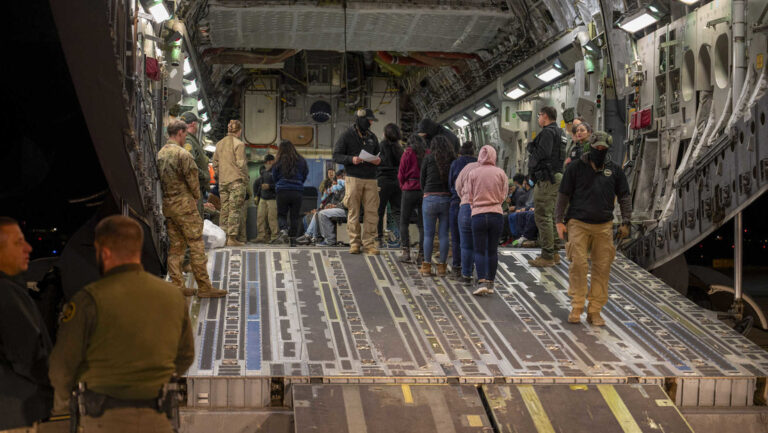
(236, 57)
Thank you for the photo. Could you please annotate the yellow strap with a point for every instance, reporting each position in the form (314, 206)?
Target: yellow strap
(535, 408)
(619, 409)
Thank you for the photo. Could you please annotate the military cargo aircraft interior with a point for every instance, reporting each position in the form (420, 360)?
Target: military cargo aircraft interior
(385, 216)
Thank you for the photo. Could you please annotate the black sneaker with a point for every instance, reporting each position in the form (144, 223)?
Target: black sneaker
(282, 238)
(304, 239)
(455, 274)
(465, 280)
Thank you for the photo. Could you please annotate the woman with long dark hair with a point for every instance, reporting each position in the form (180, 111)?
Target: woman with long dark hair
(437, 200)
(408, 176)
(289, 173)
(386, 175)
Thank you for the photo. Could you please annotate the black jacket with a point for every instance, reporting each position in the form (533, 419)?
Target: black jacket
(547, 153)
(431, 181)
(26, 395)
(433, 129)
(265, 194)
(349, 145)
(390, 161)
(589, 195)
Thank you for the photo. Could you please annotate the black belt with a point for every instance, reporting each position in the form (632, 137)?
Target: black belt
(95, 403)
(116, 403)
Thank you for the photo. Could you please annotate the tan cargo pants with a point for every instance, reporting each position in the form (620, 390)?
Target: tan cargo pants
(363, 192)
(595, 242)
(127, 420)
(266, 221)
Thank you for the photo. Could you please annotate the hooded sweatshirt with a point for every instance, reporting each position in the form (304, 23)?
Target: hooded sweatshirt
(433, 129)
(462, 186)
(488, 184)
(456, 167)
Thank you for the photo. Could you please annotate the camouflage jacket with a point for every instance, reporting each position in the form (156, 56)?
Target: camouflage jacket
(179, 180)
(195, 148)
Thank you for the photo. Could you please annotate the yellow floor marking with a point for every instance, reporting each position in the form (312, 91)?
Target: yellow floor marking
(475, 420)
(533, 404)
(619, 409)
(579, 387)
(407, 395)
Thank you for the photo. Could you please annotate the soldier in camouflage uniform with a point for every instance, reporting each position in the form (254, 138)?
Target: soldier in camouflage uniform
(195, 148)
(231, 169)
(181, 191)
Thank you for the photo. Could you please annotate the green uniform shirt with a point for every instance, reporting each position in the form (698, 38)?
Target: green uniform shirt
(193, 146)
(123, 335)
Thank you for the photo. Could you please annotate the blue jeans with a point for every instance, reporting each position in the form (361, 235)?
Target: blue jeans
(453, 220)
(436, 207)
(312, 230)
(465, 234)
(513, 225)
(486, 229)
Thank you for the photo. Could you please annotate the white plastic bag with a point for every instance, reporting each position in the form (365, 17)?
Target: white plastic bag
(213, 235)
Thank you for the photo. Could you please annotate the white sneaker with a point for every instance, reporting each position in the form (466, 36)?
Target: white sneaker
(482, 290)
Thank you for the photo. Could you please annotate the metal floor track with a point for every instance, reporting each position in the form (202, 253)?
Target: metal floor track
(309, 315)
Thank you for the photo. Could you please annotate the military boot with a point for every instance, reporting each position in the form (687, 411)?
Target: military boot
(186, 291)
(405, 255)
(595, 319)
(556, 258)
(372, 250)
(354, 249)
(541, 262)
(211, 293)
(575, 316)
(426, 269)
(442, 269)
(232, 242)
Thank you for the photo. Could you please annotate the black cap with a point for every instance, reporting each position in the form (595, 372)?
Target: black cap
(189, 117)
(269, 157)
(367, 113)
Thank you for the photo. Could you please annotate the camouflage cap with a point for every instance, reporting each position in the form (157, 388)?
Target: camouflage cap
(601, 138)
(189, 117)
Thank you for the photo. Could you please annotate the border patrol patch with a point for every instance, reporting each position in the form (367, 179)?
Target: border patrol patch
(68, 312)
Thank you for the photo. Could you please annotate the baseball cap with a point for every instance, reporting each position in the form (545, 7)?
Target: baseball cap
(367, 113)
(189, 117)
(269, 157)
(601, 138)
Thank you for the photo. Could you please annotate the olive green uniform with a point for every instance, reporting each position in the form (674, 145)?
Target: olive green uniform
(124, 336)
(195, 148)
(181, 191)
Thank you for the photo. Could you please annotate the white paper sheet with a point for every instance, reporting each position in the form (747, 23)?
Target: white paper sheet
(368, 157)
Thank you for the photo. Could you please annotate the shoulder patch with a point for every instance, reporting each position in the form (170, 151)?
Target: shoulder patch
(68, 312)
(607, 172)
(188, 146)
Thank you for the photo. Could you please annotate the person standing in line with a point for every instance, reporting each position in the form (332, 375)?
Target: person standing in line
(466, 237)
(26, 395)
(430, 129)
(408, 176)
(437, 202)
(266, 215)
(466, 156)
(289, 173)
(386, 176)
(589, 190)
(231, 167)
(181, 190)
(362, 189)
(545, 166)
(124, 336)
(487, 190)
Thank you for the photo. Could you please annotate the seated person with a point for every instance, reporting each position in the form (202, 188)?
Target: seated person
(522, 226)
(520, 192)
(321, 225)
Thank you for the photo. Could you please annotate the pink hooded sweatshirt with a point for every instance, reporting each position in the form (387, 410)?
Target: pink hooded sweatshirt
(487, 184)
(462, 186)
